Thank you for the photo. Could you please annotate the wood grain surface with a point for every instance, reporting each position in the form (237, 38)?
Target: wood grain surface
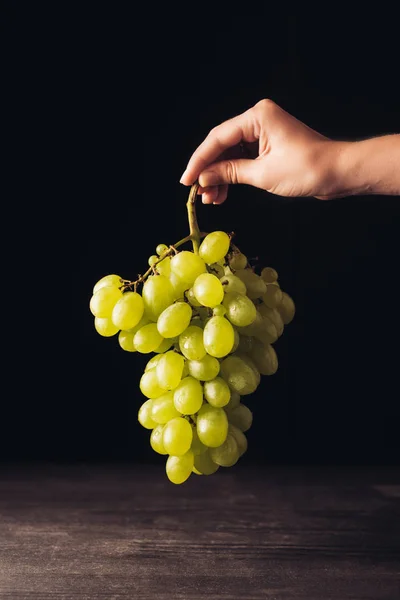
(117, 532)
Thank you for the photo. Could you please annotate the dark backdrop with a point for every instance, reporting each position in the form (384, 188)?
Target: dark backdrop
(121, 99)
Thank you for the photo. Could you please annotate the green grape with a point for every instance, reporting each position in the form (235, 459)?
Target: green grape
(268, 333)
(208, 290)
(269, 275)
(197, 322)
(240, 438)
(256, 326)
(194, 470)
(185, 371)
(203, 313)
(219, 311)
(217, 269)
(273, 315)
(188, 396)
(264, 358)
(106, 327)
(249, 362)
(143, 321)
(144, 415)
(205, 369)
(227, 454)
(240, 310)
(108, 280)
(273, 296)
(179, 286)
(152, 259)
(228, 270)
(164, 267)
(237, 260)
(191, 343)
(204, 464)
(241, 417)
(197, 446)
(164, 409)
(152, 363)
(128, 311)
(192, 298)
(239, 375)
(233, 402)
(246, 343)
(255, 286)
(125, 340)
(214, 247)
(165, 345)
(262, 328)
(161, 248)
(187, 266)
(286, 308)
(103, 301)
(179, 468)
(149, 384)
(177, 436)
(147, 339)
(218, 337)
(157, 294)
(169, 370)
(174, 319)
(232, 283)
(217, 392)
(212, 425)
(156, 440)
(236, 341)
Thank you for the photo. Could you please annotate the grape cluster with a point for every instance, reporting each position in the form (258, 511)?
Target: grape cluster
(210, 322)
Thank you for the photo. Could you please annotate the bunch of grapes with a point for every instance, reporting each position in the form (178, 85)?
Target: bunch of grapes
(209, 322)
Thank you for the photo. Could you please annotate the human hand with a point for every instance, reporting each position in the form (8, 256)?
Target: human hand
(285, 156)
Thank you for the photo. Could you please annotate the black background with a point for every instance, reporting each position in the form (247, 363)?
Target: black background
(108, 104)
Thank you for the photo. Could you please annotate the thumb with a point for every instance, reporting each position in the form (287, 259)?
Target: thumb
(241, 170)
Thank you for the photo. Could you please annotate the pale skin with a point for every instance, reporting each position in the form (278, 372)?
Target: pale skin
(270, 149)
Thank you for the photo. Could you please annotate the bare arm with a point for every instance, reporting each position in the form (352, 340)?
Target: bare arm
(288, 158)
(370, 166)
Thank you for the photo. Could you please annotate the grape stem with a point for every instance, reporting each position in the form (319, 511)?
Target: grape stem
(195, 236)
(192, 218)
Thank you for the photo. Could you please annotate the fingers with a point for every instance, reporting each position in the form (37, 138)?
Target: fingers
(228, 134)
(230, 171)
(215, 195)
(210, 195)
(222, 194)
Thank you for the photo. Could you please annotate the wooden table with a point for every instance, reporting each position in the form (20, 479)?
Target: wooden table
(118, 532)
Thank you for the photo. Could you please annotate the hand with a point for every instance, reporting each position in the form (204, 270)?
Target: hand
(284, 156)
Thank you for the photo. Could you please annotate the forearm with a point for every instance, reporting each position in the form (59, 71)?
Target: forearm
(368, 167)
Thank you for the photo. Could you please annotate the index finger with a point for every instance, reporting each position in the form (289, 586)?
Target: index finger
(224, 136)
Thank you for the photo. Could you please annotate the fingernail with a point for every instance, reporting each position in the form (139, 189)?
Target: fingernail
(183, 175)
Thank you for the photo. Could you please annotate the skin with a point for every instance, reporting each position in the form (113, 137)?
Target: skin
(268, 148)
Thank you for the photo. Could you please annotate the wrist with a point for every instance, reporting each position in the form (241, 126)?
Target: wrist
(341, 170)
(370, 166)
(353, 175)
